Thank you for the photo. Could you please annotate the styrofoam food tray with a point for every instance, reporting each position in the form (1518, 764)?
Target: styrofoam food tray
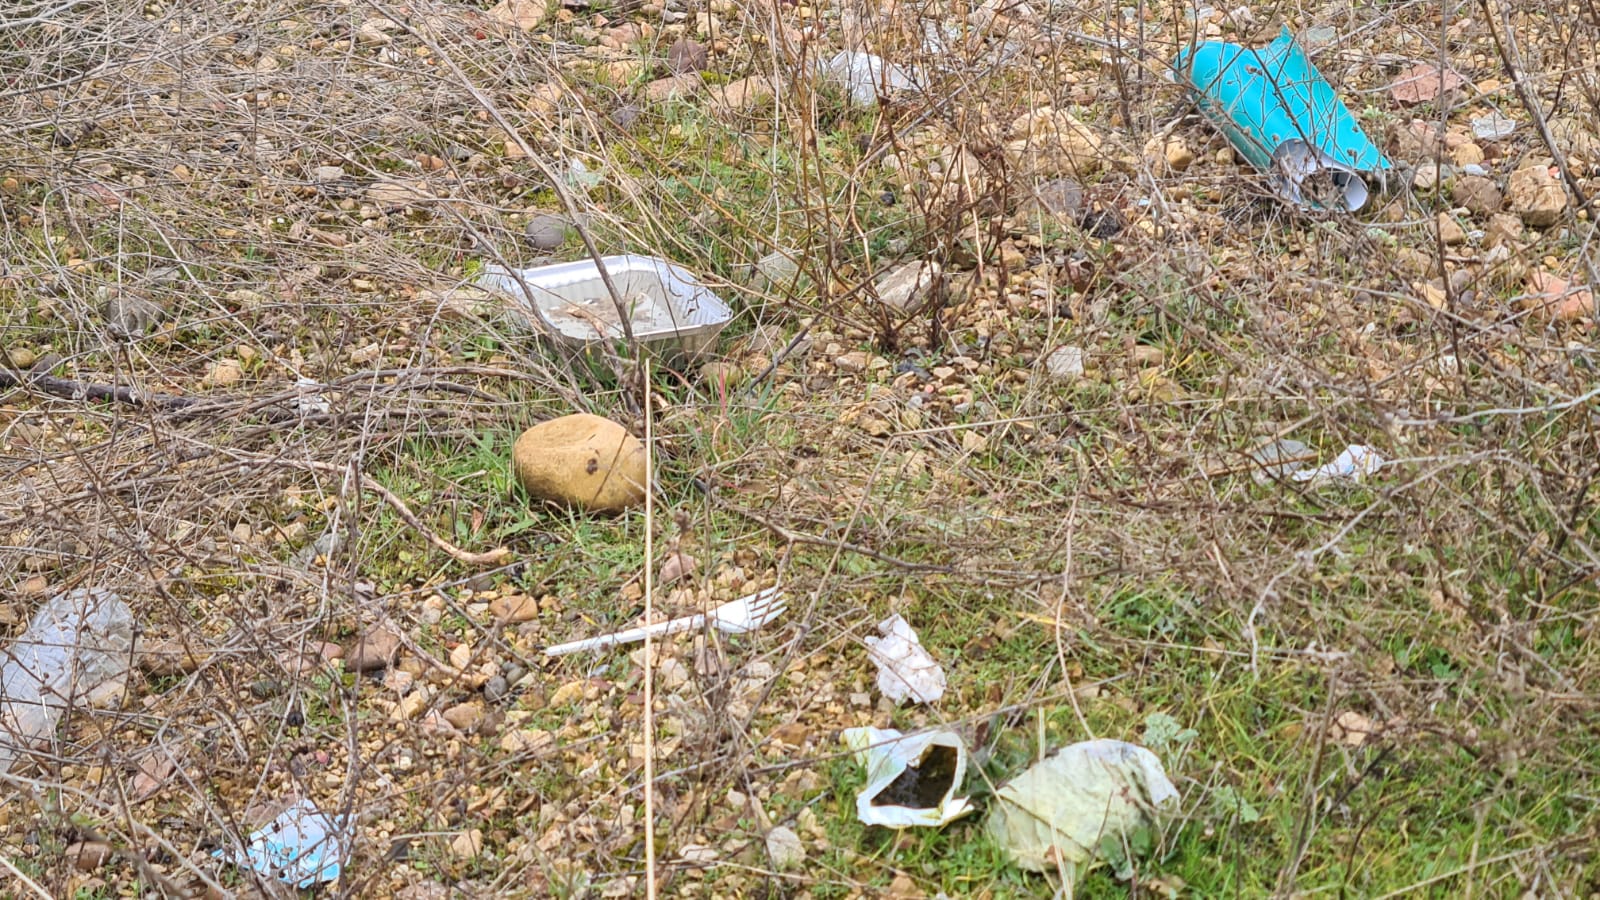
(669, 309)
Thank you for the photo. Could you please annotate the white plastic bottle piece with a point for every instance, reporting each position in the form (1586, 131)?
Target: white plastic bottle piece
(79, 642)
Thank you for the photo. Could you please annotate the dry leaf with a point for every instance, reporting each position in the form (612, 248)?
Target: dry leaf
(1556, 298)
(1424, 82)
(154, 771)
(1352, 728)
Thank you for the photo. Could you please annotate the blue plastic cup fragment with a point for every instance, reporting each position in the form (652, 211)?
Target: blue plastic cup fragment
(301, 846)
(1279, 113)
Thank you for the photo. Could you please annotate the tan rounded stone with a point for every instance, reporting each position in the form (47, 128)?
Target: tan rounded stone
(516, 608)
(89, 856)
(581, 460)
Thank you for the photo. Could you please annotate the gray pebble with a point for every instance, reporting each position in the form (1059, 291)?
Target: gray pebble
(686, 55)
(496, 688)
(547, 231)
(1061, 197)
(130, 316)
(625, 117)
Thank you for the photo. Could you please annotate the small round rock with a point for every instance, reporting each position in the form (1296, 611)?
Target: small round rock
(496, 689)
(686, 55)
(784, 848)
(581, 460)
(547, 231)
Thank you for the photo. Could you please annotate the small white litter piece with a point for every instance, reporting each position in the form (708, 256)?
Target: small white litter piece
(1306, 175)
(1493, 127)
(579, 176)
(1356, 462)
(301, 847)
(905, 668)
(310, 402)
(912, 780)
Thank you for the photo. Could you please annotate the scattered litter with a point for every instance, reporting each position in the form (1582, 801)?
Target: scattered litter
(1308, 176)
(1493, 127)
(1100, 799)
(310, 402)
(912, 780)
(908, 287)
(301, 846)
(1065, 363)
(1356, 462)
(777, 270)
(1280, 459)
(905, 669)
(76, 651)
(865, 75)
(1278, 111)
(668, 308)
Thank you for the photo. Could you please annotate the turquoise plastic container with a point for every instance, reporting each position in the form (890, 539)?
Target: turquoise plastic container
(1279, 113)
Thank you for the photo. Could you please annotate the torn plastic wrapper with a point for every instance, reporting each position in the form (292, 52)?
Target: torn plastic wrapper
(1280, 459)
(912, 780)
(1093, 800)
(1278, 111)
(905, 668)
(1356, 462)
(301, 846)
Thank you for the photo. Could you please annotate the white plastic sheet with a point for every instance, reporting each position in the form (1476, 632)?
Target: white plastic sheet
(863, 75)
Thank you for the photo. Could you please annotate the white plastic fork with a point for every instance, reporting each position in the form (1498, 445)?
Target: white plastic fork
(734, 617)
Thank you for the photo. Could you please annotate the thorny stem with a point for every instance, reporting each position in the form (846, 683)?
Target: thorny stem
(568, 202)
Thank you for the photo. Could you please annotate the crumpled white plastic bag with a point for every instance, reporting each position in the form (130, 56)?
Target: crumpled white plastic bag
(1095, 799)
(1356, 462)
(905, 669)
(926, 768)
(863, 74)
